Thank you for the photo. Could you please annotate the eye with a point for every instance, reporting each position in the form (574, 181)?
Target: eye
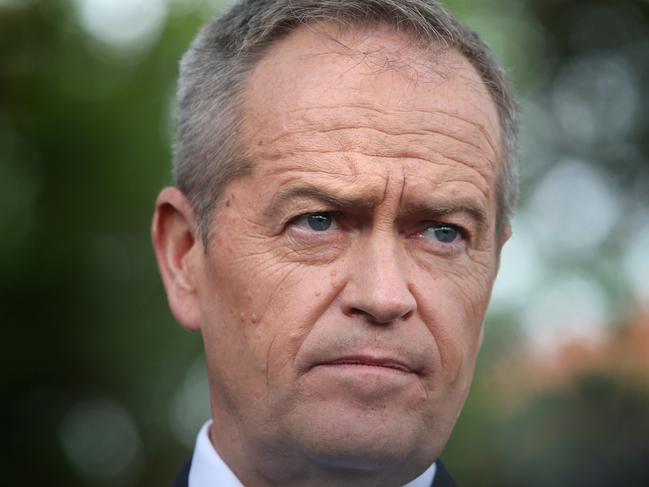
(318, 222)
(446, 234)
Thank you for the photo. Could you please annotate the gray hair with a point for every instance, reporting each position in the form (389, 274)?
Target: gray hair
(208, 153)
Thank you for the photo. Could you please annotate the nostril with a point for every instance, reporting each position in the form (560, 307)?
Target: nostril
(381, 316)
(407, 315)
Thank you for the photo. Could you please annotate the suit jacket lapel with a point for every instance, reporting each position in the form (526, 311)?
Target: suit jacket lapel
(182, 480)
(442, 477)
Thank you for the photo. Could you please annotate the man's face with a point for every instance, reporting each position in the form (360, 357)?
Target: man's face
(343, 292)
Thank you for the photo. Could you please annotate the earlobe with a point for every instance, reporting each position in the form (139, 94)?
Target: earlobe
(176, 246)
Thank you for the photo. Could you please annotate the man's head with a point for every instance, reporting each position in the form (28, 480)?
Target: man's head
(337, 232)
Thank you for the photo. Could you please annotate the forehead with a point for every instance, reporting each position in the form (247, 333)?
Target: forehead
(373, 91)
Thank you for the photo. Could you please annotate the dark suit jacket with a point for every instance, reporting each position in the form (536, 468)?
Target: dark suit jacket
(442, 477)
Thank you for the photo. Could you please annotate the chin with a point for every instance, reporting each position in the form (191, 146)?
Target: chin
(367, 440)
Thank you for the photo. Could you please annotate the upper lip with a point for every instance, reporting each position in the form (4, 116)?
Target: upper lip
(369, 360)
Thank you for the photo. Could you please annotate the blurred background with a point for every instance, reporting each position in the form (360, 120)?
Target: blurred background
(101, 386)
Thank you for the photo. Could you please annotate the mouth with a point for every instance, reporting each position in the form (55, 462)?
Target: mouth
(366, 361)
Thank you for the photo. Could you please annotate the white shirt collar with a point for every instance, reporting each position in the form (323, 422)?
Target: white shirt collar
(209, 470)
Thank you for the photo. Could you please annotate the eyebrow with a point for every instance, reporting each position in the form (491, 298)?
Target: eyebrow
(315, 193)
(431, 210)
(434, 211)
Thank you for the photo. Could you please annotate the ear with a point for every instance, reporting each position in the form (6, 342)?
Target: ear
(177, 248)
(504, 236)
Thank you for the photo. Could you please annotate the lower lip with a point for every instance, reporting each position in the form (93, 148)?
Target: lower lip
(366, 382)
(362, 365)
(364, 369)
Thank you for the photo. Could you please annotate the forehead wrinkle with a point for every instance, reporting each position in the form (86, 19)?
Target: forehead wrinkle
(308, 134)
(346, 162)
(370, 107)
(297, 170)
(319, 166)
(325, 154)
(479, 88)
(452, 163)
(479, 126)
(483, 190)
(347, 168)
(396, 133)
(307, 161)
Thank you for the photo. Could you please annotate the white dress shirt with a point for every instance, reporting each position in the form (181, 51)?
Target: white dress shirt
(209, 470)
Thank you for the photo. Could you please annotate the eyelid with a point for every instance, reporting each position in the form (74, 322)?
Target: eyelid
(335, 215)
(434, 223)
(451, 247)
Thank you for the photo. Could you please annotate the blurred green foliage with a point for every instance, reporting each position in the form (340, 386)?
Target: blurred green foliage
(85, 134)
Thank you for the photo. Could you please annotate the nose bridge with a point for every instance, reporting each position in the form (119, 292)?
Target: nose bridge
(379, 284)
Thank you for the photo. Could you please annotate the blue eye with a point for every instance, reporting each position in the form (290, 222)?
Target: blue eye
(443, 233)
(319, 222)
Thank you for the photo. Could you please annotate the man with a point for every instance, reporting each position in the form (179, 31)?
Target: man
(345, 174)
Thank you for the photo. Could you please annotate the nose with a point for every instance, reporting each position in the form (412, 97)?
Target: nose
(377, 288)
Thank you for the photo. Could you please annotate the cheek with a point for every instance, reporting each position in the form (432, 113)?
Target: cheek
(453, 307)
(269, 315)
(296, 304)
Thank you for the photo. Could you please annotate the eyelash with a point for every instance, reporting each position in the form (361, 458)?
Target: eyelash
(335, 215)
(446, 247)
(462, 234)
